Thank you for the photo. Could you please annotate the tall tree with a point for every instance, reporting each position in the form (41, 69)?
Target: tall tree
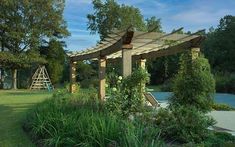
(55, 56)
(219, 46)
(153, 24)
(109, 15)
(24, 24)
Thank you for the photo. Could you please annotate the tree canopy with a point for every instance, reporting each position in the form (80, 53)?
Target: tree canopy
(219, 46)
(26, 25)
(55, 56)
(153, 24)
(110, 15)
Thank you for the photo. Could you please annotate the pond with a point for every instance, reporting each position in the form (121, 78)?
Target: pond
(220, 98)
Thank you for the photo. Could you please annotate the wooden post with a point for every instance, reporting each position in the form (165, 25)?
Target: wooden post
(195, 53)
(126, 59)
(72, 88)
(14, 79)
(102, 68)
(142, 63)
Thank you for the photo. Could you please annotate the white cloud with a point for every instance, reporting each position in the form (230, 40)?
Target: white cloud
(198, 16)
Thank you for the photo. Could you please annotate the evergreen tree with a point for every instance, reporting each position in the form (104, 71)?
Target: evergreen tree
(194, 84)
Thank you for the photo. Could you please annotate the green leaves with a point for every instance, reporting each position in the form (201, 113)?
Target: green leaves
(22, 60)
(127, 97)
(219, 45)
(194, 84)
(184, 124)
(24, 24)
(109, 15)
(55, 56)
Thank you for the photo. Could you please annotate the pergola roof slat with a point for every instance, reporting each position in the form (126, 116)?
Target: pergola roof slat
(145, 44)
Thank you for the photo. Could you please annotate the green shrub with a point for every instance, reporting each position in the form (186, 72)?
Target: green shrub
(127, 95)
(194, 84)
(225, 82)
(89, 83)
(183, 124)
(223, 107)
(219, 139)
(80, 120)
(167, 85)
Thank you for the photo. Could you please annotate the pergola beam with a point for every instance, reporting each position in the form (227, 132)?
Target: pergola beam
(170, 50)
(105, 49)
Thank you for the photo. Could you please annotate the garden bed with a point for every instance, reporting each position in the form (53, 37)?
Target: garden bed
(80, 120)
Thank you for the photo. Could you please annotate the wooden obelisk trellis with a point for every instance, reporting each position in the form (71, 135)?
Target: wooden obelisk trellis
(41, 80)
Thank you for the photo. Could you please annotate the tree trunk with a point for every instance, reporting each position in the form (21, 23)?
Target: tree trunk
(14, 79)
(1, 78)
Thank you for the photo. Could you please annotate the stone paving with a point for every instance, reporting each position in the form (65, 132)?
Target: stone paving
(225, 120)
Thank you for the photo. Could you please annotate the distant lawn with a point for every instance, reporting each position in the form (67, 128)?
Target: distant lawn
(153, 87)
(13, 108)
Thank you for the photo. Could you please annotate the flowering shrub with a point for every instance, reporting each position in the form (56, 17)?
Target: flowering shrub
(125, 96)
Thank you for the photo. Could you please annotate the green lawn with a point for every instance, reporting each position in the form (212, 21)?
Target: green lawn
(13, 108)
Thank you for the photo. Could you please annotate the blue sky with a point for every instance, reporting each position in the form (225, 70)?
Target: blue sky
(193, 15)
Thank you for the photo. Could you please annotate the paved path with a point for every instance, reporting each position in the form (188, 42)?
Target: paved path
(225, 120)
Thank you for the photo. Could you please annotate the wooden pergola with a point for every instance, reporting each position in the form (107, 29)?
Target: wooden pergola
(132, 46)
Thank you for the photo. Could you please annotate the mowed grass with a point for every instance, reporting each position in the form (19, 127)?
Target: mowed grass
(13, 108)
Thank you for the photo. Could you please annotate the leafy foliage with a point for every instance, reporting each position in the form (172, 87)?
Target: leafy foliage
(109, 15)
(225, 82)
(87, 74)
(163, 69)
(153, 24)
(222, 107)
(219, 46)
(126, 95)
(24, 24)
(55, 56)
(184, 124)
(80, 120)
(22, 60)
(194, 84)
(219, 139)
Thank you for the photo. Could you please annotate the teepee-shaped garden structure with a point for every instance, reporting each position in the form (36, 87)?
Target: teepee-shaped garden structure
(41, 80)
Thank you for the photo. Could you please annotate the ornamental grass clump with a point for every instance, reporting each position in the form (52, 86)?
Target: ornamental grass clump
(81, 120)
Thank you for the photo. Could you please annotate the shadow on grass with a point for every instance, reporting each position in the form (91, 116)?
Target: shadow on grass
(12, 133)
(27, 93)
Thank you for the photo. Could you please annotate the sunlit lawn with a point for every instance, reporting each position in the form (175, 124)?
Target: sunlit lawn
(13, 108)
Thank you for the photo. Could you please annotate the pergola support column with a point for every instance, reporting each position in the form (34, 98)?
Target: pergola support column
(72, 87)
(102, 69)
(195, 52)
(142, 64)
(126, 60)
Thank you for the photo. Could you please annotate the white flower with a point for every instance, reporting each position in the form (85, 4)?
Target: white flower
(131, 117)
(118, 81)
(120, 77)
(114, 89)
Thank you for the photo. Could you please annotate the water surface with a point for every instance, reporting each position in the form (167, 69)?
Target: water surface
(220, 98)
